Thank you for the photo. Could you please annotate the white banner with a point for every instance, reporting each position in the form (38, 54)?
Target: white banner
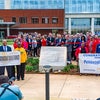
(53, 56)
(89, 63)
(9, 58)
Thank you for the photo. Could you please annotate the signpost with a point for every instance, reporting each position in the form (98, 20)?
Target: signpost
(47, 69)
(51, 58)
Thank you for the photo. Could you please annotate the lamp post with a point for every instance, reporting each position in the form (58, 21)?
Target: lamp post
(47, 69)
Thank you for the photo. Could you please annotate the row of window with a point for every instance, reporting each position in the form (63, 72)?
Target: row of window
(35, 20)
(70, 6)
(82, 6)
(82, 22)
(37, 4)
(81, 1)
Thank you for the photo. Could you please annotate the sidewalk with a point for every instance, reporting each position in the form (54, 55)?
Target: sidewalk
(62, 87)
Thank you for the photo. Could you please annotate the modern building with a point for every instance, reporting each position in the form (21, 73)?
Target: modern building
(28, 16)
(82, 16)
(46, 16)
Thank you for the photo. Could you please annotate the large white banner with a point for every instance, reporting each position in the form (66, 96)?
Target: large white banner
(9, 58)
(89, 63)
(53, 56)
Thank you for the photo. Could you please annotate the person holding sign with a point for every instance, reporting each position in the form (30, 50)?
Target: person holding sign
(10, 69)
(81, 49)
(23, 58)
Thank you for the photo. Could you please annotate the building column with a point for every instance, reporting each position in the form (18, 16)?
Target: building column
(7, 4)
(92, 25)
(69, 25)
(8, 30)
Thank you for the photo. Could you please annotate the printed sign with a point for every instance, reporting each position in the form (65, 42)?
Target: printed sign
(89, 63)
(53, 56)
(9, 58)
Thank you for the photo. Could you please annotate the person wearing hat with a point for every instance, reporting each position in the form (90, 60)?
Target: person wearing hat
(23, 58)
(9, 91)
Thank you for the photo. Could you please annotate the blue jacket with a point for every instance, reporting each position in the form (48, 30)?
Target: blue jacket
(8, 95)
(98, 48)
(2, 50)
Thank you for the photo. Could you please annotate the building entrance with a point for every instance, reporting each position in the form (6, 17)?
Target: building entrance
(2, 34)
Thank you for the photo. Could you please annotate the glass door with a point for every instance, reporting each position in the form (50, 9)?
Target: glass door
(1, 34)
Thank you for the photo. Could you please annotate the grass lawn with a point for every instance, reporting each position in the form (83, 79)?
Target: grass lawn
(9, 41)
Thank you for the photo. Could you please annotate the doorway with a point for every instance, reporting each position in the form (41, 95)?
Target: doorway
(2, 34)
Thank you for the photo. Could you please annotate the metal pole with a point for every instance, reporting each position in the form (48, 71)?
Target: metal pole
(47, 85)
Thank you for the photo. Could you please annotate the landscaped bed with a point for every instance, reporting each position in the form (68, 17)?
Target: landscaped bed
(32, 66)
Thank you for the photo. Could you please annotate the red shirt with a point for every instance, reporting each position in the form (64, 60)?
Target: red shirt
(43, 42)
(78, 51)
(15, 45)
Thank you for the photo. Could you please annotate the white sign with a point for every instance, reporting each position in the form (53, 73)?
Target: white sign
(53, 56)
(9, 58)
(89, 63)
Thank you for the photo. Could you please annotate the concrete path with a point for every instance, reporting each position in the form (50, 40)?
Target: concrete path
(62, 87)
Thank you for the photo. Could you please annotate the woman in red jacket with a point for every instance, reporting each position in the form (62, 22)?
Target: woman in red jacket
(81, 49)
(43, 41)
(15, 43)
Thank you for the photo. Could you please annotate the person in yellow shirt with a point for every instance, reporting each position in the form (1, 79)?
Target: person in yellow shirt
(23, 58)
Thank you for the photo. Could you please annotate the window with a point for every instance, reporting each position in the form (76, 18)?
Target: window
(97, 21)
(1, 4)
(23, 20)
(13, 19)
(54, 20)
(35, 20)
(45, 20)
(1, 20)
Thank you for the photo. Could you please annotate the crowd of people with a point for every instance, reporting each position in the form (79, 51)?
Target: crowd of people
(30, 44)
(75, 44)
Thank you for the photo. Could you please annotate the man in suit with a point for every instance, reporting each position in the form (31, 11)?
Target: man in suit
(29, 41)
(59, 41)
(10, 69)
(50, 40)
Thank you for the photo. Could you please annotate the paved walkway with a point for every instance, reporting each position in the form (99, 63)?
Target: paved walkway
(62, 87)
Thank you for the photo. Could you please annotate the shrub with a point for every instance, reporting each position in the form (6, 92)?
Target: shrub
(33, 61)
(71, 66)
(66, 69)
(35, 68)
(32, 65)
(29, 68)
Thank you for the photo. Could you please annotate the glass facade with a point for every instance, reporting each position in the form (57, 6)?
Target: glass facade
(82, 6)
(83, 22)
(97, 26)
(81, 25)
(37, 4)
(1, 4)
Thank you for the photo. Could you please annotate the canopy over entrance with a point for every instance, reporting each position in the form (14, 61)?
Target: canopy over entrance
(7, 25)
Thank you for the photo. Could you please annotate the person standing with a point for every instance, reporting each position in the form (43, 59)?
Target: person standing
(68, 44)
(23, 58)
(34, 47)
(29, 41)
(10, 69)
(50, 40)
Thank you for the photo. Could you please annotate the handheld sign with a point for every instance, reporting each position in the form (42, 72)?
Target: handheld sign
(9, 58)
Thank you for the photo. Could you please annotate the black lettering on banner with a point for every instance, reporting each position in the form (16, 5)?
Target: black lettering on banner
(9, 58)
